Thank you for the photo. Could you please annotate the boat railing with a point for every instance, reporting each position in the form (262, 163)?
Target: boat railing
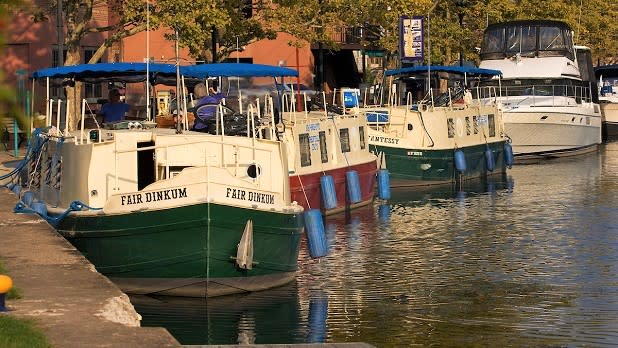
(61, 127)
(485, 94)
(221, 141)
(546, 95)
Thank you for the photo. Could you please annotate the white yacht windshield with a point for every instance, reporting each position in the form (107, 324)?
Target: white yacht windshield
(527, 38)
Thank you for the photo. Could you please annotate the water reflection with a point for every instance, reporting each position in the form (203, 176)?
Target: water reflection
(261, 317)
(525, 259)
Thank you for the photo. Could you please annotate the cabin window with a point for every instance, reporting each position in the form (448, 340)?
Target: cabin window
(173, 171)
(521, 39)
(551, 38)
(305, 150)
(344, 138)
(467, 125)
(323, 149)
(492, 125)
(475, 124)
(451, 127)
(493, 41)
(361, 133)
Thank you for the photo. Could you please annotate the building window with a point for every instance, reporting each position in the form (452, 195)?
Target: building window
(361, 133)
(475, 123)
(56, 90)
(344, 138)
(55, 57)
(323, 149)
(91, 90)
(305, 150)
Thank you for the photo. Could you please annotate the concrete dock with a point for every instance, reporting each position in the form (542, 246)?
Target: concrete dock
(74, 305)
(66, 297)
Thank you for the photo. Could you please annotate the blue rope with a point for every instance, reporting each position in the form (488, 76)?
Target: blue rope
(21, 208)
(34, 146)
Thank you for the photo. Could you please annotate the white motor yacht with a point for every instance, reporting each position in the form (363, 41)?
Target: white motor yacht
(547, 88)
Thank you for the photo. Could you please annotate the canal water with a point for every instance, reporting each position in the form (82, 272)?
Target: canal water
(526, 259)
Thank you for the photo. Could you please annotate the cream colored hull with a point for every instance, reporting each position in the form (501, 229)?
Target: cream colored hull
(553, 131)
(610, 118)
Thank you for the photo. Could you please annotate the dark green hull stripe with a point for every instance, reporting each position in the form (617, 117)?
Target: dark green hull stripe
(427, 166)
(183, 243)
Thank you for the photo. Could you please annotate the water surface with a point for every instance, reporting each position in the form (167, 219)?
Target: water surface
(525, 259)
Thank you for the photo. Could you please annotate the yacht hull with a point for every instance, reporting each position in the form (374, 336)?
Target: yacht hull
(552, 131)
(610, 120)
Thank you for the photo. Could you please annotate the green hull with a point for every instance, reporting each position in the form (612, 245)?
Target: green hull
(412, 167)
(180, 252)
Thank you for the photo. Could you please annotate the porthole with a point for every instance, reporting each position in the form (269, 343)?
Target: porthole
(254, 170)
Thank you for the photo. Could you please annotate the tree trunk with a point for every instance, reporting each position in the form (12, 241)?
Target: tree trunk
(73, 93)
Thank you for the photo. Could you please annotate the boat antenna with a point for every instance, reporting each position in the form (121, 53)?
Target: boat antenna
(579, 20)
(178, 89)
(429, 58)
(147, 60)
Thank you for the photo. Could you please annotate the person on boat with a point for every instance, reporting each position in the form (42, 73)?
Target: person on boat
(173, 105)
(206, 106)
(114, 110)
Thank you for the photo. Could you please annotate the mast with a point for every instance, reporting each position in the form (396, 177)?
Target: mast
(178, 89)
(148, 61)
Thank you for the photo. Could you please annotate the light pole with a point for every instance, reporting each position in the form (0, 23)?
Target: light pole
(461, 5)
(60, 33)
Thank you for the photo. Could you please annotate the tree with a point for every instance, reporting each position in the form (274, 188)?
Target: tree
(194, 21)
(594, 23)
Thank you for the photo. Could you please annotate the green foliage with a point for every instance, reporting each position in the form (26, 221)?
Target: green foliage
(20, 333)
(327, 21)
(315, 20)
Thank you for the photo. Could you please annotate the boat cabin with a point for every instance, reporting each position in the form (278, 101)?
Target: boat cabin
(528, 38)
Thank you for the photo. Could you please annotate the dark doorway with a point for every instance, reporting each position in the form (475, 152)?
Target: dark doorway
(145, 165)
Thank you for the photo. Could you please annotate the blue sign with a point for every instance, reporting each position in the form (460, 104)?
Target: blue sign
(411, 38)
(350, 99)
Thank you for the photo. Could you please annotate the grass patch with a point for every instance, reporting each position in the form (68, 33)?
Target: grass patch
(20, 333)
(14, 293)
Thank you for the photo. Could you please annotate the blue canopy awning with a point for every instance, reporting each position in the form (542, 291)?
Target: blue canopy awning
(410, 70)
(160, 73)
(606, 70)
(235, 70)
(106, 71)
